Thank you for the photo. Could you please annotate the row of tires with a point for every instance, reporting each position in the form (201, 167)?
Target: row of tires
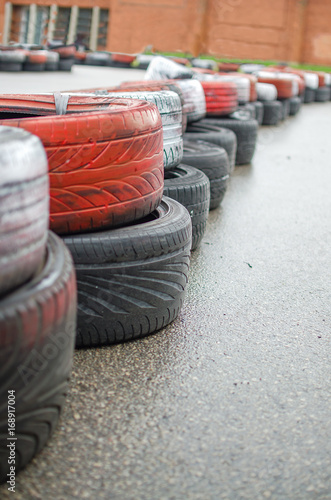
(30, 57)
(126, 177)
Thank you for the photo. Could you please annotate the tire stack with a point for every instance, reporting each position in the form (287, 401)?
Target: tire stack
(287, 86)
(208, 156)
(29, 57)
(130, 246)
(37, 304)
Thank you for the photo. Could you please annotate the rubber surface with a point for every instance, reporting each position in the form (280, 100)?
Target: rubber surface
(273, 111)
(259, 111)
(295, 105)
(194, 99)
(143, 86)
(131, 281)
(284, 86)
(221, 97)
(215, 134)
(37, 332)
(105, 166)
(309, 95)
(322, 94)
(285, 108)
(169, 105)
(214, 162)
(246, 132)
(24, 206)
(190, 187)
(266, 92)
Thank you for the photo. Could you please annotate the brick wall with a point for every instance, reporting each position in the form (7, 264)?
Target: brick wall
(167, 25)
(317, 42)
(237, 28)
(286, 30)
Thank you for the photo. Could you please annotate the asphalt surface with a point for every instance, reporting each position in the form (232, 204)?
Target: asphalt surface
(231, 401)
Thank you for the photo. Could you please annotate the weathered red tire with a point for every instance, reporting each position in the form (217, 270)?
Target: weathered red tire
(105, 166)
(283, 86)
(221, 97)
(144, 86)
(252, 81)
(37, 56)
(287, 69)
(123, 58)
(227, 66)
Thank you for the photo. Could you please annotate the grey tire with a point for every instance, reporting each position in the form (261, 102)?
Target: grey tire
(24, 206)
(37, 333)
(295, 105)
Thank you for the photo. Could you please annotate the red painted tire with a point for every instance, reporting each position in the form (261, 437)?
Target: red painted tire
(65, 51)
(221, 97)
(36, 56)
(37, 334)
(286, 69)
(151, 85)
(143, 86)
(105, 166)
(252, 81)
(284, 86)
(123, 58)
(227, 66)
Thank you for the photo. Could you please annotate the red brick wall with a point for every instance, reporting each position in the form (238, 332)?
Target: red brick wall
(317, 43)
(167, 25)
(254, 29)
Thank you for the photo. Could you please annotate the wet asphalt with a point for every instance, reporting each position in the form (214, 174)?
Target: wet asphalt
(232, 400)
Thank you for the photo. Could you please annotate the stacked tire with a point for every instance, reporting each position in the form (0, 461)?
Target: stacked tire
(131, 246)
(37, 305)
(181, 182)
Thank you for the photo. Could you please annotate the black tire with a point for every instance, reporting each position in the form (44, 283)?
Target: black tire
(66, 64)
(37, 333)
(214, 134)
(250, 108)
(11, 66)
(272, 112)
(214, 162)
(118, 64)
(24, 201)
(131, 281)
(259, 112)
(52, 66)
(285, 108)
(309, 95)
(295, 105)
(246, 132)
(27, 66)
(322, 94)
(190, 187)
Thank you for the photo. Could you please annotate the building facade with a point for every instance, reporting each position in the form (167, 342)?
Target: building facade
(286, 30)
